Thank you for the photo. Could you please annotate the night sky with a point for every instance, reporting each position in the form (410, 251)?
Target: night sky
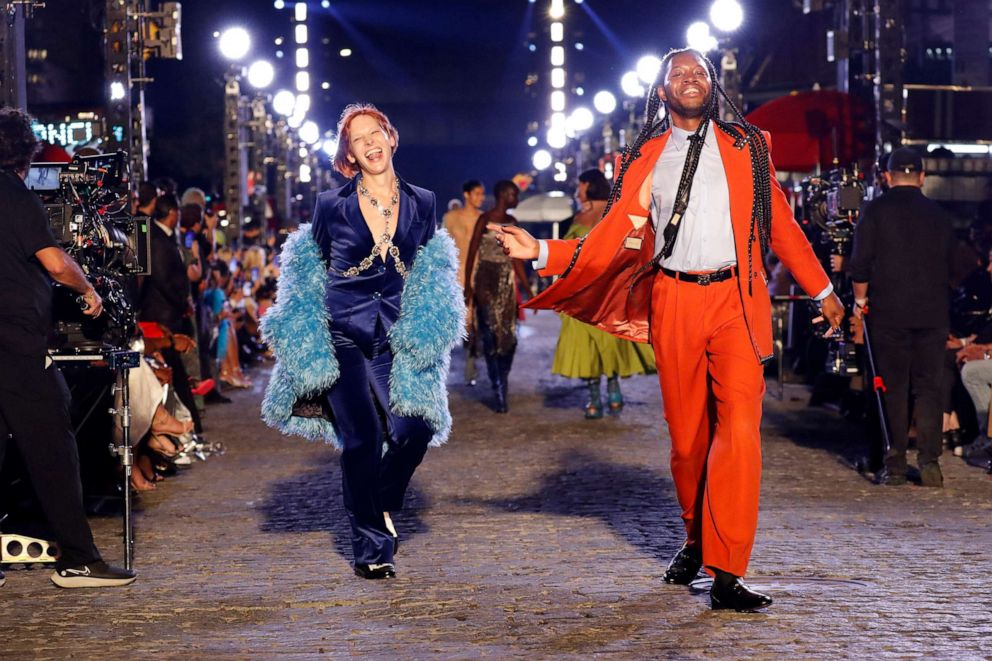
(450, 74)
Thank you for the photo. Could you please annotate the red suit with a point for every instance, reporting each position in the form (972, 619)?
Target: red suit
(710, 342)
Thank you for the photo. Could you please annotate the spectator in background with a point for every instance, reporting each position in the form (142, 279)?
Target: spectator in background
(165, 294)
(147, 194)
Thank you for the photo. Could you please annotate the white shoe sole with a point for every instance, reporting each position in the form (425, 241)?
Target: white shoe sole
(89, 581)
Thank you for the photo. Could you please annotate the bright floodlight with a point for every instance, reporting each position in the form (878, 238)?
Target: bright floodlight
(306, 174)
(117, 91)
(542, 159)
(234, 43)
(302, 103)
(532, 141)
(309, 132)
(330, 147)
(295, 120)
(698, 36)
(604, 102)
(647, 69)
(557, 9)
(261, 74)
(581, 119)
(726, 15)
(284, 102)
(630, 83)
(557, 138)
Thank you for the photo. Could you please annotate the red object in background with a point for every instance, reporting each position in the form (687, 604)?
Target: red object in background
(52, 154)
(811, 128)
(151, 330)
(203, 387)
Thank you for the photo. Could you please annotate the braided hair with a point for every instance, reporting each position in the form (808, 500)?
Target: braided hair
(742, 131)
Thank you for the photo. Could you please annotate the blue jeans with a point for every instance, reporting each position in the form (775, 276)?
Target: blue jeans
(376, 467)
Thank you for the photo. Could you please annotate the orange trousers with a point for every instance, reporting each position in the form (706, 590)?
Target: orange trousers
(712, 386)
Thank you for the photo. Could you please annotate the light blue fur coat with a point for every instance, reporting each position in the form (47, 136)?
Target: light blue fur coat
(296, 328)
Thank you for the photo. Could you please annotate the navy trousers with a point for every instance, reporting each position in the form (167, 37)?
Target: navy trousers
(376, 467)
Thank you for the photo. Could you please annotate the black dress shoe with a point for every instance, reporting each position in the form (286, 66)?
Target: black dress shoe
(887, 478)
(685, 566)
(737, 596)
(375, 572)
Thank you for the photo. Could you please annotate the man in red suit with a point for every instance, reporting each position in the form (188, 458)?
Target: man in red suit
(696, 289)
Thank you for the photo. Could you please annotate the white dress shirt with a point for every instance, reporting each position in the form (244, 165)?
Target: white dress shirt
(705, 240)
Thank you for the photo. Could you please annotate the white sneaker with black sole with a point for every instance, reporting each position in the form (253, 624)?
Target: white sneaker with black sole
(94, 575)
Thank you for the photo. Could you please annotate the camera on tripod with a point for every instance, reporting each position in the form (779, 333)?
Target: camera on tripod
(830, 204)
(88, 205)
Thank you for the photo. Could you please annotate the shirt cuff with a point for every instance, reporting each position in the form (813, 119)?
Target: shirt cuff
(542, 255)
(823, 294)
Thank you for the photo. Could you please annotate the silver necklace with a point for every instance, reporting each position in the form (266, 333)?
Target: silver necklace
(385, 242)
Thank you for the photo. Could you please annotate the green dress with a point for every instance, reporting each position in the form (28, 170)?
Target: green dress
(586, 352)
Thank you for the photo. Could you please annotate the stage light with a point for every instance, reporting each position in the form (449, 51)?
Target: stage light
(301, 12)
(345, 52)
(604, 102)
(557, 137)
(325, 85)
(558, 101)
(581, 119)
(296, 120)
(303, 152)
(306, 174)
(326, 4)
(309, 132)
(300, 33)
(580, 91)
(261, 74)
(532, 141)
(302, 58)
(557, 77)
(117, 91)
(302, 103)
(726, 15)
(630, 83)
(698, 36)
(557, 32)
(647, 69)
(541, 159)
(302, 81)
(557, 9)
(279, 4)
(557, 56)
(284, 103)
(234, 43)
(330, 147)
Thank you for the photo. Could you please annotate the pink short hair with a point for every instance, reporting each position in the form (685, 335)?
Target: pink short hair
(350, 112)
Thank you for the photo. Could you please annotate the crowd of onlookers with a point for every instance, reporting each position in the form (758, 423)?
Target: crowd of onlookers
(199, 312)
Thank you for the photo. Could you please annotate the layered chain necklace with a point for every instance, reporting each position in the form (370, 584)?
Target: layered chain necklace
(385, 241)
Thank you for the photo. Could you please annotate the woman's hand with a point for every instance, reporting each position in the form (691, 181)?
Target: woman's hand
(516, 241)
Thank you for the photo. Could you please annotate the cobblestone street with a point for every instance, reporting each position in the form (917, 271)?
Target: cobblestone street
(537, 535)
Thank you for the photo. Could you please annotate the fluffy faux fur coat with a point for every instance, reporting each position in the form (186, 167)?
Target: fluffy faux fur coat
(296, 328)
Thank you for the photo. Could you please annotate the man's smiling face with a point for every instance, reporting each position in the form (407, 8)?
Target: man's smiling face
(686, 87)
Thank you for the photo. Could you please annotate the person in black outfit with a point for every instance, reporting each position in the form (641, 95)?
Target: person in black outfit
(903, 255)
(34, 399)
(165, 294)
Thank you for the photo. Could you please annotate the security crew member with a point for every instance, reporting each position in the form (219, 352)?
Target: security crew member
(903, 252)
(34, 399)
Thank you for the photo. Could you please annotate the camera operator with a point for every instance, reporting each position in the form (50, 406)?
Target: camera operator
(903, 253)
(34, 399)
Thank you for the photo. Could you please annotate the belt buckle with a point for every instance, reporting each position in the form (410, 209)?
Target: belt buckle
(704, 279)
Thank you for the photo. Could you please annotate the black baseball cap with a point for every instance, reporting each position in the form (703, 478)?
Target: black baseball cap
(905, 160)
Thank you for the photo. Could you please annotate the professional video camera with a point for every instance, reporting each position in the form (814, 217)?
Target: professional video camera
(830, 206)
(87, 201)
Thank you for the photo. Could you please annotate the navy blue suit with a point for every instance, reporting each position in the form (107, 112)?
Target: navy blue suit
(362, 310)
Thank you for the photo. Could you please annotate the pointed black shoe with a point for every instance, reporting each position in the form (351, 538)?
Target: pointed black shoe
(684, 567)
(737, 596)
(375, 572)
(885, 477)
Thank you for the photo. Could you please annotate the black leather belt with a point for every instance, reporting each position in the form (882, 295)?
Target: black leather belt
(702, 278)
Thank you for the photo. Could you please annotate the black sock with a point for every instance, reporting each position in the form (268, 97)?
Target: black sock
(722, 578)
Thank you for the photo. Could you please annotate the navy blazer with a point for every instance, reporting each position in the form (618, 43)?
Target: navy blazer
(358, 305)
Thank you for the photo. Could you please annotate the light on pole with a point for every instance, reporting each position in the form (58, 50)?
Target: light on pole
(234, 43)
(261, 74)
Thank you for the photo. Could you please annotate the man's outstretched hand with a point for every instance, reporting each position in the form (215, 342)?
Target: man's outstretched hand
(833, 312)
(516, 241)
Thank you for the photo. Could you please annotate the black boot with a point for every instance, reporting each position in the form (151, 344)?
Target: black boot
(497, 382)
(505, 362)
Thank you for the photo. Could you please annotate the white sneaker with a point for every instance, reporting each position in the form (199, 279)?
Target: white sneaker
(94, 575)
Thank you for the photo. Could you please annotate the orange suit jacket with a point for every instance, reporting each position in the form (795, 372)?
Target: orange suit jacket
(608, 287)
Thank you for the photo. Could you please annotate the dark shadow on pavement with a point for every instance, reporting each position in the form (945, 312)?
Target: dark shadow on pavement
(312, 502)
(638, 504)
